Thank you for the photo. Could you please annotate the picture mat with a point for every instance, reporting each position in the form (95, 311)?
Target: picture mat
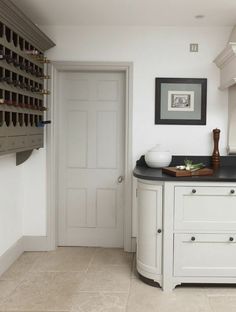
(166, 114)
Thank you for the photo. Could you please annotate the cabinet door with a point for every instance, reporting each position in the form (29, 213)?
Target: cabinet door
(206, 255)
(205, 208)
(149, 241)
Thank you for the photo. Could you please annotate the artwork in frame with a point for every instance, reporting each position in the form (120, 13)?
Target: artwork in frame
(181, 101)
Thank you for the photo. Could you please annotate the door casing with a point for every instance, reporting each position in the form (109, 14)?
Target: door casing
(52, 141)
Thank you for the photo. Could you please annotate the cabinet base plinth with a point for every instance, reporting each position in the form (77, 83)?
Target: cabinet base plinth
(149, 275)
(149, 281)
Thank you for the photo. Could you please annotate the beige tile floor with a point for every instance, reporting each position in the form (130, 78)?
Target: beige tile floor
(98, 280)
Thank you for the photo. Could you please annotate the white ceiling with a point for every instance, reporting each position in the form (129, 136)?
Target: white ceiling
(130, 12)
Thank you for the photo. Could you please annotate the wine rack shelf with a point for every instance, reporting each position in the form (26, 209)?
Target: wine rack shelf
(24, 85)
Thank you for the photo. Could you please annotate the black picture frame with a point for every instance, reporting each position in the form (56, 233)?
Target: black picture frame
(162, 102)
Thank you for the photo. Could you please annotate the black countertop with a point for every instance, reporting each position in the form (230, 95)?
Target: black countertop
(226, 172)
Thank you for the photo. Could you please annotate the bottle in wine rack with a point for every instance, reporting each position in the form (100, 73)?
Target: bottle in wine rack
(22, 85)
(45, 77)
(43, 123)
(1, 75)
(2, 55)
(28, 87)
(22, 66)
(16, 83)
(35, 89)
(8, 102)
(33, 71)
(43, 59)
(28, 69)
(9, 59)
(43, 108)
(14, 79)
(32, 52)
(7, 80)
(39, 73)
(16, 63)
(44, 92)
(20, 103)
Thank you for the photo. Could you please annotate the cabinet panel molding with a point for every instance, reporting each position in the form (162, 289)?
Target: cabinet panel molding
(149, 240)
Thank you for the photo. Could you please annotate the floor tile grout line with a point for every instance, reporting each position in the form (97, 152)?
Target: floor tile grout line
(210, 306)
(18, 285)
(127, 301)
(103, 291)
(91, 260)
(21, 281)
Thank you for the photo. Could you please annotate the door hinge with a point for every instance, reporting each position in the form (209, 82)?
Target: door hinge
(136, 192)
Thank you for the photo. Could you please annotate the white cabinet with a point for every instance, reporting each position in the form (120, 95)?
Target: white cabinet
(186, 232)
(204, 245)
(149, 240)
(205, 208)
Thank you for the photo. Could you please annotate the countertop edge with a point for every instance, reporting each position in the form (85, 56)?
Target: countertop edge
(166, 178)
(225, 173)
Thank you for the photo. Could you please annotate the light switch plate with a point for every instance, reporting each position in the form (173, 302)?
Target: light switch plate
(193, 47)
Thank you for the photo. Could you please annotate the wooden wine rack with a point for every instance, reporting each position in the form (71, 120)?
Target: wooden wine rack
(24, 85)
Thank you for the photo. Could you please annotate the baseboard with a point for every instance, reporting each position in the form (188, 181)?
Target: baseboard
(11, 255)
(35, 243)
(133, 244)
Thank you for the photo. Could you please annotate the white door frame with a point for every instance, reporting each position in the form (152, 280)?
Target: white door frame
(51, 139)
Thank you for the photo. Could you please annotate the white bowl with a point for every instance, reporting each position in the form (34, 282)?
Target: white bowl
(158, 159)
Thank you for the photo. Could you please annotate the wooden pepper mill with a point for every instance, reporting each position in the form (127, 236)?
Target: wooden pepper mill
(216, 154)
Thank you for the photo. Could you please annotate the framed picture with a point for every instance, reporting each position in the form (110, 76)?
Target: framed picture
(181, 101)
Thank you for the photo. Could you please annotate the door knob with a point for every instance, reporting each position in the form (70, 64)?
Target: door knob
(120, 179)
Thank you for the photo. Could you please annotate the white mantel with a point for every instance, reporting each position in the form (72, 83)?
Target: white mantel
(226, 61)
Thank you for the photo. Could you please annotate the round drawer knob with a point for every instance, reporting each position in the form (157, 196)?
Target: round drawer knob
(232, 191)
(193, 238)
(231, 239)
(159, 231)
(194, 191)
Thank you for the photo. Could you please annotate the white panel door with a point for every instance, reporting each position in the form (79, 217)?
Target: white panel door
(91, 158)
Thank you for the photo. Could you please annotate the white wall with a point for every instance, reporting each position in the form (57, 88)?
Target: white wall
(11, 194)
(155, 52)
(34, 210)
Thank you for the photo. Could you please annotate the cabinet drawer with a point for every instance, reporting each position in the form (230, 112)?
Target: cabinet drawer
(210, 255)
(205, 208)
